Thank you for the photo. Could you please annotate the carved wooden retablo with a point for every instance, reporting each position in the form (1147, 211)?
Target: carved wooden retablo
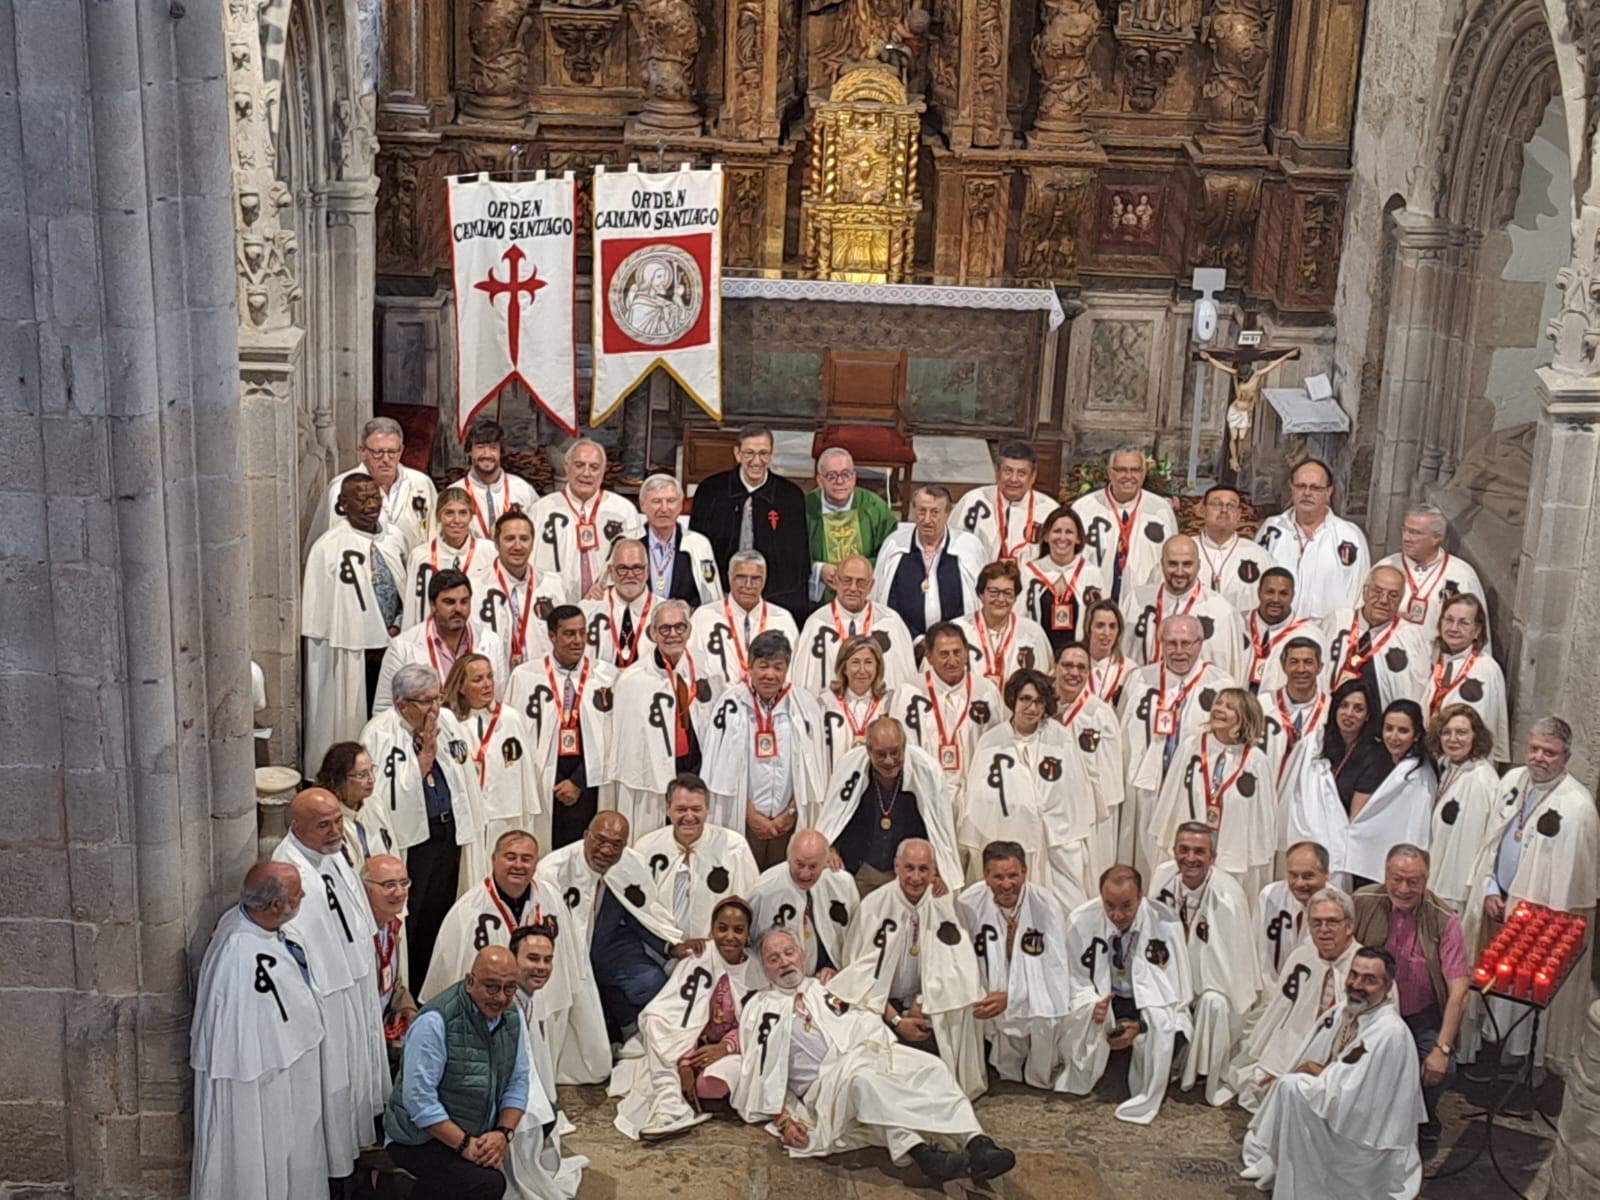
(860, 200)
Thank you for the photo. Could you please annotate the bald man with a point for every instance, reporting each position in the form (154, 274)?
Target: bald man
(253, 1046)
(388, 884)
(810, 899)
(1182, 591)
(1375, 643)
(334, 928)
(463, 1085)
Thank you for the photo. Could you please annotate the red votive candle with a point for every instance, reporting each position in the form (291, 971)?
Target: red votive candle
(1482, 977)
(1543, 985)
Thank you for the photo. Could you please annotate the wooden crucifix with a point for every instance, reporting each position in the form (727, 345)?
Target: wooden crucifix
(1248, 367)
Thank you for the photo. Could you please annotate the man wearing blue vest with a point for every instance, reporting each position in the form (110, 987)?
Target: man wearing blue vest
(462, 1086)
(926, 571)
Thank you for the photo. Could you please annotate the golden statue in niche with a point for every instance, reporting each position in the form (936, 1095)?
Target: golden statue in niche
(860, 198)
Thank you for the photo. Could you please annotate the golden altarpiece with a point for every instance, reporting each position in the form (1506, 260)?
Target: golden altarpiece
(1105, 147)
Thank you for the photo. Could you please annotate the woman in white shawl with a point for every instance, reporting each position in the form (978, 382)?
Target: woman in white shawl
(1059, 582)
(456, 548)
(1464, 672)
(1469, 794)
(1108, 665)
(855, 697)
(501, 749)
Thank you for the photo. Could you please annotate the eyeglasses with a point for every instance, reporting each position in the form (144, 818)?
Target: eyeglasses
(1030, 701)
(753, 455)
(366, 776)
(381, 453)
(627, 569)
(999, 593)
(1311, 487)
(432, 701)
(394, 885)
(838, 476)
(498, 989)
(673, 627)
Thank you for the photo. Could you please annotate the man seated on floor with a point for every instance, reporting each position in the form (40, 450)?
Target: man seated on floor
(826, 1077)
(1344, 1122)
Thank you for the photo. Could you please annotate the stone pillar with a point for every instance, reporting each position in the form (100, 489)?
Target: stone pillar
(1575, 1166)
(1558, 573)
(126, 807)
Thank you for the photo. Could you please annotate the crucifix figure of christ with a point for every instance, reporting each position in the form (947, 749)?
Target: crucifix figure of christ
(1249, 367)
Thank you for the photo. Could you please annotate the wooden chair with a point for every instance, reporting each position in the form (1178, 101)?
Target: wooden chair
(864, 411)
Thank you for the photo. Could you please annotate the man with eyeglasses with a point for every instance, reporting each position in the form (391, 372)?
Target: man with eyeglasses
(1125, 523)
(407, 495)
(1181, 590)
(1327, 554)
(388, 888)
(852, 613)
(664, 702)
(926, 571)
(1434, 577)
(842, 521)
(1373, 644)
(427, 798)
(618, 615)
(753, 508)
(720, 634)
(1230, 565)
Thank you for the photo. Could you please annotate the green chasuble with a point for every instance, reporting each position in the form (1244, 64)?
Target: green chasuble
(861, 530)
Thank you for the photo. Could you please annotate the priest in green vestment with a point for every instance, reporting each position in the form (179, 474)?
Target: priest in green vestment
(842, 520)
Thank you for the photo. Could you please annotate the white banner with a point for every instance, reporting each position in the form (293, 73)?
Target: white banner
(658, 284)
(513, 255)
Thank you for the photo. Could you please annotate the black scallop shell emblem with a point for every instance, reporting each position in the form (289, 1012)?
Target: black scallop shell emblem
(1246, 784)
(1089, 740)
(1049, 769)
(602, 699)
(1471, 690)
(634, 895)
(839, 913)
(1347, 553)
(1249, 570)
(1033, 943)
(1155, 533)
(1155, 950)
(1549, 822)
(511, 750)
(543, 608)
(1450, 811)
(1396, 659)
(1208, 627)
(1202, 930)
(613, 530)
(717, 880)
(702, 690)
(882, 639)
(978, 712)
(1207, 696)
(948, 933)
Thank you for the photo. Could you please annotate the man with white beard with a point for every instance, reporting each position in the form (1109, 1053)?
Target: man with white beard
(619, 615)
(1298, 997)
(535, 1167)
(804, 893)
(253, 1045)
(920, 970)
(1133, 991)
(826, 1078)
(852, 613)
(1019, 932)
(1344, 1122)
(1222, 964)
(334, 927)
(1281, 908)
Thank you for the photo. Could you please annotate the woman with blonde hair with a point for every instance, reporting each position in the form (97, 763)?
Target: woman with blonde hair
(501, 752)
(1465, 805)
(854, 698)
(454, 547)
(1222, 777)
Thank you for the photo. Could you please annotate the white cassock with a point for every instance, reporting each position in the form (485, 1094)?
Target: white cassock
(869, 1090)
(617, 627)
(844, 723)
(1005, 528)
(963, 549)
(585, 1054)
(420, 644)
(1032, 791)
(998, 654)
(1146, 609)
(1399, 655)
(817, 650)
(254, 1045)
(1281, 929)
(479, 919)
(1297, 996)
(638, 768)
(1233, 569)
(538, 691)
(1289, 723)
(645, 1081)
(1329, 567)
(1400, 810)
(1230, 789)
(334, 928)
(571, 535)
(340, 621)
(1222, 971)
(733, 749)
(1155, 699)
(691, 882)
(535, 1168)
(1555, 862)
(717, 634)
(821, 913)
(1429, 588)
(1261, 648)
(500, 752)
(1023, 954)
(1156, 969)
(1466, 806)
(515, 609)
(433, 556)
(1056, 596)
(408, 505)
(946, 720)
(1352, 1130)
(1094, 738)
(702, 563)
(1108, 675)
(398, 804)
(1132, 533)
(491, 501)
(1472, 678)
(921, 778)
(918, 953)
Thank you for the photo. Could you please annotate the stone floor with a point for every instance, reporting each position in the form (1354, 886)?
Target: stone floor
(1065, 1148)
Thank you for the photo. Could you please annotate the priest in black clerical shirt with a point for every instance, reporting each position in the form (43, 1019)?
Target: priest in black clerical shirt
(753, 508)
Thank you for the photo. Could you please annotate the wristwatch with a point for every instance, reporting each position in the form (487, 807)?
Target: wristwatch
(894, 1021)
(504, 1130)
(1446, 1047)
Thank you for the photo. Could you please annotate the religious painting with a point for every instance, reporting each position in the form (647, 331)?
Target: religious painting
(1130, 217)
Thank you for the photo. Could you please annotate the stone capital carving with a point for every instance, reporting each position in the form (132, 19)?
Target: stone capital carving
(1067, 29)
(497, 71)
(1576, 328)
(669, 42)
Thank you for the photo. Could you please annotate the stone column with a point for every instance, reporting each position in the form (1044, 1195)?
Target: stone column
(126, 807)
(1575, 1166)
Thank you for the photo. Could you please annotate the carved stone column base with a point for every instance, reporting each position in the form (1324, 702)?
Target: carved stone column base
(677, 117)
(1044, 136)
(500, 109)
(1220, 138)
